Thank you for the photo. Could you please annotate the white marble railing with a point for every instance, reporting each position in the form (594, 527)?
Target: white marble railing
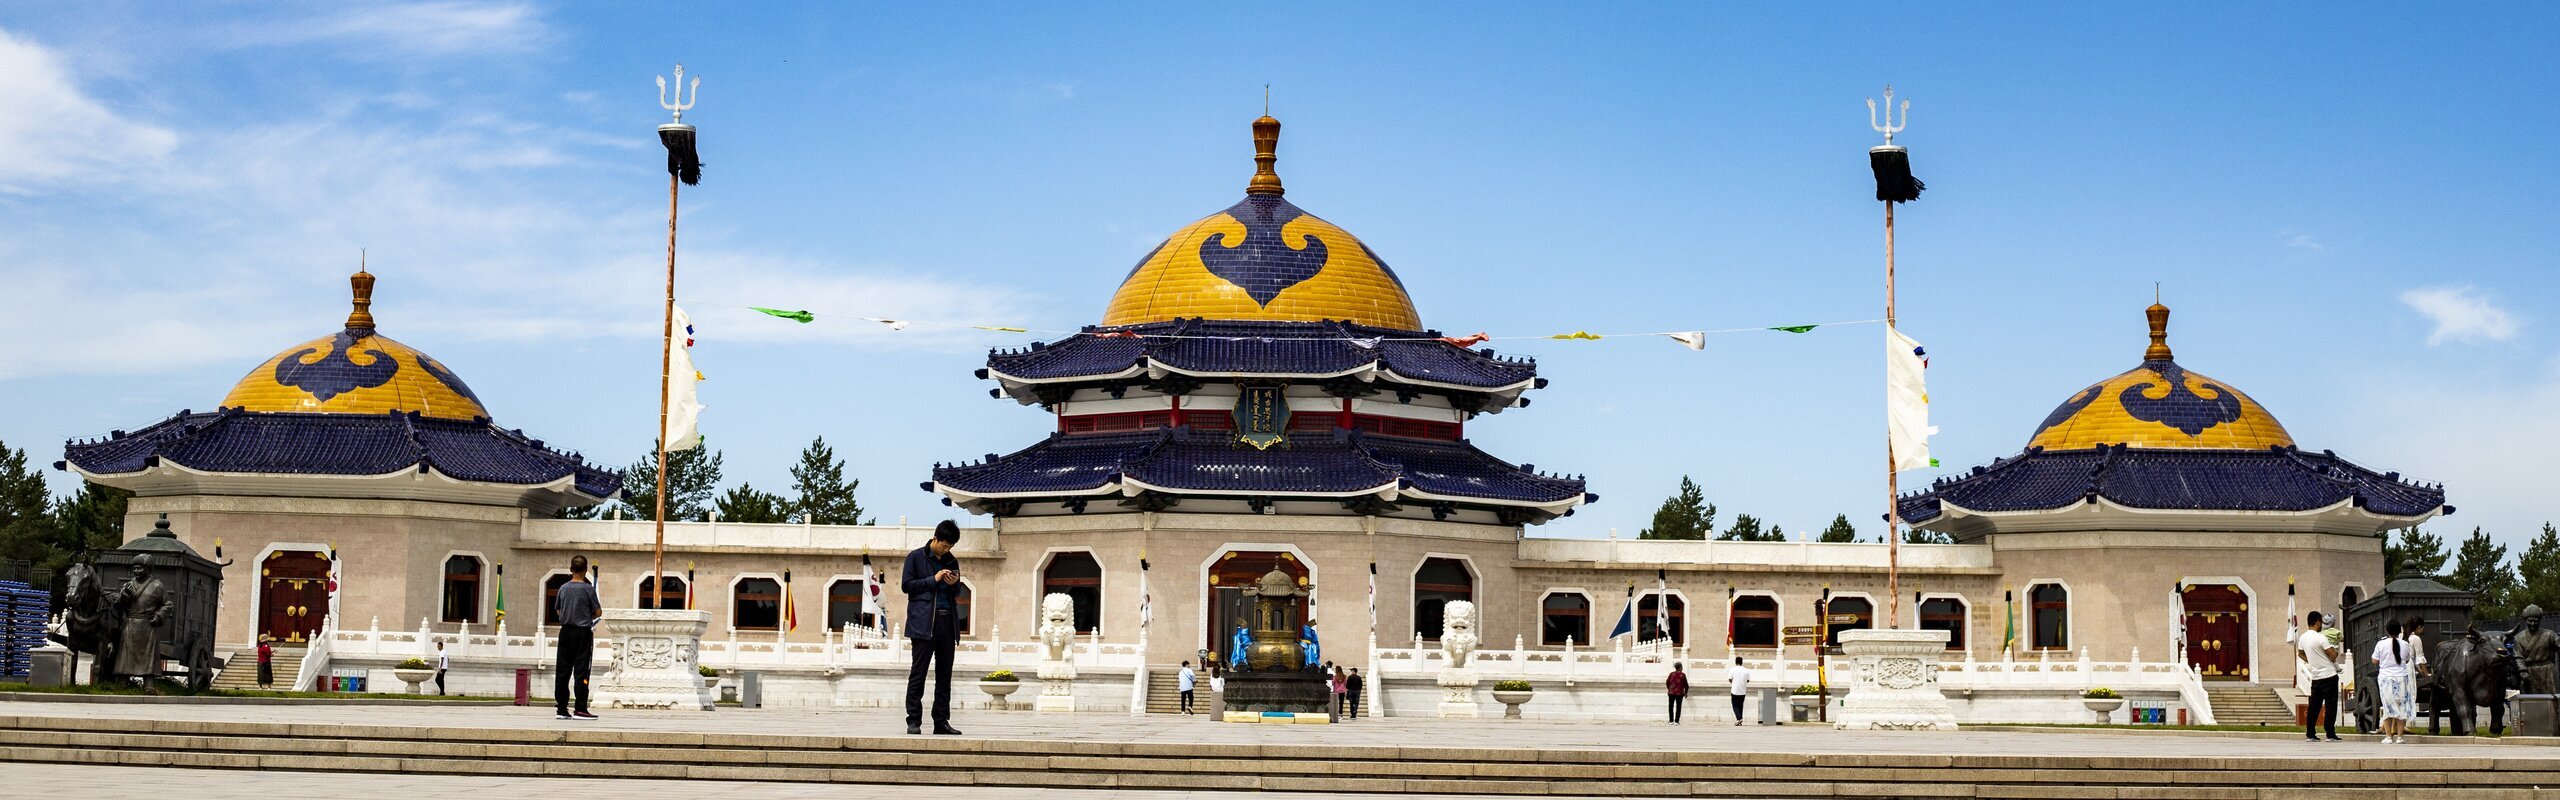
(897, 539)
(1650, 660)
(1782, 554)
(849, 647)
(315, 654)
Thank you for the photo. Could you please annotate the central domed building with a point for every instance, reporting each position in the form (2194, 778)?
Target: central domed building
(1262, 394)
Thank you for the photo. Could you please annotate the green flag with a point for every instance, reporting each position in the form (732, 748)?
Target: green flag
(1795, 328)
(502, 593)
(2009, 637)
(795, 316)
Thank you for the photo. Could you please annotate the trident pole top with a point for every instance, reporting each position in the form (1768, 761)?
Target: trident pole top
(683, 103)
(1889, 126)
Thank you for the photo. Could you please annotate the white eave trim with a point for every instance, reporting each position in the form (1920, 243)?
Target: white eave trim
(1107, 488)
(1386, 490)
(1554, 507)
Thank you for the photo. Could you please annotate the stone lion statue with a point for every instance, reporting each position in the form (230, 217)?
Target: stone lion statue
(1458, 632)
(1057, 625)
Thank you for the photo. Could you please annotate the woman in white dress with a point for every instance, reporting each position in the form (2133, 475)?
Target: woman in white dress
(2391, 656)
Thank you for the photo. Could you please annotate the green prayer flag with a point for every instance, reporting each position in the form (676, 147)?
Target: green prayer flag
(1795, 328)
(796, 316)
(1933, 462)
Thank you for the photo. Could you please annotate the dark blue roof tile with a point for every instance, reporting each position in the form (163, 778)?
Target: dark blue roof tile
(291, 443)
(2275, 479)
(1263, 348)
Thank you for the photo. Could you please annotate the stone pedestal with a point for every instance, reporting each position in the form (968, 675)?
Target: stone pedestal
(1057, 687)
(1458, 693)
(49, 665)
(1894, 681)
(655, 660)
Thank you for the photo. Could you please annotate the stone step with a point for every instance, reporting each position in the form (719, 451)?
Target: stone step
(241, 670)
(1164, 698)
(1154, 765)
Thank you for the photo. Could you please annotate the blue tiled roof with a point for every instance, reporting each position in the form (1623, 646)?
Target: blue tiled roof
(1185, 460)
(2274, 479)
(293, 443)
(1263, 347)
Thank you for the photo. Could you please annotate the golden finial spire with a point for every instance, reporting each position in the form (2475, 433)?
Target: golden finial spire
(2159, 315)
(362, 282)
(1266, 144)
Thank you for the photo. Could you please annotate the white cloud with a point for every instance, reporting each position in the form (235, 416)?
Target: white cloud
(2303, 241)
(2460, 314)
(54, 133)
(2488, 445)
(454, 27)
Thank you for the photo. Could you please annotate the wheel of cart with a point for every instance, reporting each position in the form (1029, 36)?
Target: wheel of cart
(199, 663)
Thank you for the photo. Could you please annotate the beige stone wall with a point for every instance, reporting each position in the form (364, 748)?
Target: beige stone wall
(2121, 583)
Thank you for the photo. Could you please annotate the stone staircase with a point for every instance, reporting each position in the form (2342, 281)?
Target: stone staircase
(2247, 704)
(241, 671)
(1164, 698)
(1142, 768)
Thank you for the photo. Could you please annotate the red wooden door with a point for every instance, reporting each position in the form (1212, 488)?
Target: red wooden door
(293, 596)
(2218, 632)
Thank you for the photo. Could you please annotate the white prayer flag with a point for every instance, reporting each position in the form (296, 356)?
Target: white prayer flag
(684, 401)
(1694, 340)
(1906, 401)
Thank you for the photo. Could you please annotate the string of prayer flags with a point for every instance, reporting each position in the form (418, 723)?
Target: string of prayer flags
(1117, 335)
(1001, 329)
(1795, 328)
(802, 317)
(1694, 340)
(1586, 336)
(1370, 343)
(894, 324)
(1469, 340)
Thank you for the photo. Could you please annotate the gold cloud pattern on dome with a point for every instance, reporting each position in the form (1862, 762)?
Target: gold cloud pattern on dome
(1263, 259)
(355, 372)
(2160, 404)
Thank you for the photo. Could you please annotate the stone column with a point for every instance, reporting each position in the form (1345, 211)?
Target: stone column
(656, 656)
(1894, 681)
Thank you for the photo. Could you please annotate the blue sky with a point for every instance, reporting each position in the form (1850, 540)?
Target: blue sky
(2341, 206)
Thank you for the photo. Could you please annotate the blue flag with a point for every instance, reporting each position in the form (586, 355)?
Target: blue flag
(1626, 620)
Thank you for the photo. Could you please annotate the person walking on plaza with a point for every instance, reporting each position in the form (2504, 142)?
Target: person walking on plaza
(2391, 662)
(1677, 685)
(443, 662)
(932, 581)
(1341, 688)
(578, 610)
(1186, 681)
(266, 661)
(2319, 661)
(1351, 693)
(1740, 677)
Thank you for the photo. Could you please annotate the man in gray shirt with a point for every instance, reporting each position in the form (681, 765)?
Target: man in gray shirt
(579, 611)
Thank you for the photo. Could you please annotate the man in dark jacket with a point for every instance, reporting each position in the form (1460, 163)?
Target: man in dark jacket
(1677, 684)
(932, 582)
(578, 610)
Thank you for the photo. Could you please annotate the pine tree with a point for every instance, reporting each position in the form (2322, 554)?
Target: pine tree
(749, 504)
(2480, 568)
(2538, 571)
(1918, 536)
(26, 530)
(1746, 528)
(1840, 530)
(2415, 549)
(826, 498)
(692, 476)
(1684, 515)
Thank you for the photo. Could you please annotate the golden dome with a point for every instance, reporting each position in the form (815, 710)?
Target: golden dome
(2160, 404)
(356, 371)
(1263, 259)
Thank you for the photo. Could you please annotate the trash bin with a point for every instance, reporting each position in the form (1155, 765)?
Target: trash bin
(1769, 704)
(49, 666)
(750, 690)
(2537, 715)
(524, 686)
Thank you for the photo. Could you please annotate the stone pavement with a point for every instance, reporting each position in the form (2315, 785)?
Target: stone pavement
(84, 780)
(1380, 732)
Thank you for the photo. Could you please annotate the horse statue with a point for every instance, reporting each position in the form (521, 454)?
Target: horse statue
(2473, 670)
(90, 623)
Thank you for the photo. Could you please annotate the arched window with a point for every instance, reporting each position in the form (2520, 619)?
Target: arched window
(1860, 607)
(1755, 621)
(844, 604)
(462, 589)
(551, 597)
(1076, 575)
(2348, 597)
(756, 605)
(673, 592)
(1944, 614)
(1652, 624)
(1439, 581)
(1565, 614)
(2049, 609)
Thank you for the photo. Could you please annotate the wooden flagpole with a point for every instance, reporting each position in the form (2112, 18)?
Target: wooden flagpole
(666, 378)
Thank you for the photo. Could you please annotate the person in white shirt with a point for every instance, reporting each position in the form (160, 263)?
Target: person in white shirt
(2319, 661)
(1187, 681)
(2391, 661)
(1739, 677)
(443, 662)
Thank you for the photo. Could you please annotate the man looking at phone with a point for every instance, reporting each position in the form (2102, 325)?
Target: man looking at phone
(932, 581)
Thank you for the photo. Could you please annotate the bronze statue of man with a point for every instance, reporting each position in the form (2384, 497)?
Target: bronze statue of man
(2537, 648)
(145, 604)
